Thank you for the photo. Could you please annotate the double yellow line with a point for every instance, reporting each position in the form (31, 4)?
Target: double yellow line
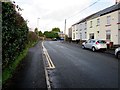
(49, 61)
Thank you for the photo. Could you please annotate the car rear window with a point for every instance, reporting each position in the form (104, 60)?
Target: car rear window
(101, 41)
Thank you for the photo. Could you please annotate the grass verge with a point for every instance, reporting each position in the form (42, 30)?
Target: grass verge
(8, 71)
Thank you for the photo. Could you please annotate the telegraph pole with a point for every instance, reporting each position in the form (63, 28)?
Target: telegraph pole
(65, 27)
(65, 31)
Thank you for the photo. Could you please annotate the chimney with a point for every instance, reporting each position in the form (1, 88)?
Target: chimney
(117, 1)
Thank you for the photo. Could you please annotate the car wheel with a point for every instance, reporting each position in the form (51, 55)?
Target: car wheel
(93, 49)
(83, 46)
(118, 55)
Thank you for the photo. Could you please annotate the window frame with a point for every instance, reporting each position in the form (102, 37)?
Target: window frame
(109, 20)
(98, 22)
(91, 24)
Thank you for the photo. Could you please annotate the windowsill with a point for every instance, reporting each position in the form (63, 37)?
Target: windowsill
(97, 25)
(98, 31)
(108, 25)
(118, 23)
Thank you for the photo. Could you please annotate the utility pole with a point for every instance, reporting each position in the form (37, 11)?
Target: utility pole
(65, 27)
(65, 31)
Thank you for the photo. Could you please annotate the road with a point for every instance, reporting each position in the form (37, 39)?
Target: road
(79, 68)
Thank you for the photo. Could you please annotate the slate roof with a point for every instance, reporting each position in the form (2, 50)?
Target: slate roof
(107, 10)
(101, 13)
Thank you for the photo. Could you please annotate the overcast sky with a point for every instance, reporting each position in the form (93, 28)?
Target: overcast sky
(52, 13)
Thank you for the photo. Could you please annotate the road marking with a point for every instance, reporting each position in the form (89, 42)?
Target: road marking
(46, 73)
(47, 80)
(50, 63)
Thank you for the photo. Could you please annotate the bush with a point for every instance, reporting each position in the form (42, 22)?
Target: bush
(32, 36)
(14, 33)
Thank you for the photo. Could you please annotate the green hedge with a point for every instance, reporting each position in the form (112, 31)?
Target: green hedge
(32, 37)
(16, 40)
(14, 33)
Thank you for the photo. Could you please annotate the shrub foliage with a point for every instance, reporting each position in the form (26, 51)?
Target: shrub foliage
(32, 37)
(14, 33)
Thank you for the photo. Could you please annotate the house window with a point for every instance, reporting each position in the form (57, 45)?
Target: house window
(108, 34)
(91, 24)
(85, 35)
(98, 32)
(85, 25)
(80, 35)
(108, 20)
(73, 35)
(98, 22)
(91, 36)
(119, 18)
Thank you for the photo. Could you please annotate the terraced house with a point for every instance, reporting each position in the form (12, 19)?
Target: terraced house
(104, 24)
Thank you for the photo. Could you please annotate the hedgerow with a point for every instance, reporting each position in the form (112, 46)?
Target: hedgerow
(14, 33)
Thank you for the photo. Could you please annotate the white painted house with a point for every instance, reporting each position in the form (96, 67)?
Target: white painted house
(104, 24)
(82, 27)
(75, 32)
(79, 29)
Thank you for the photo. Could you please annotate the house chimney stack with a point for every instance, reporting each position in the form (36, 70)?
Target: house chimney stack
(117, 1)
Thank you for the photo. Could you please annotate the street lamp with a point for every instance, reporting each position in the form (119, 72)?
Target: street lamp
(38, 23)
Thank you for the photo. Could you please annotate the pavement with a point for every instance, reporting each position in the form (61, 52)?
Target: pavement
(30, 74)
(110, 51)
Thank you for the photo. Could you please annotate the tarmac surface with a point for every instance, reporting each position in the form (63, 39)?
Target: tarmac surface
(30, 74)
(81, 68)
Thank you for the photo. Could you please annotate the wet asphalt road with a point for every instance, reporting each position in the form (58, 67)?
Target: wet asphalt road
(30, 74)
(79, 68)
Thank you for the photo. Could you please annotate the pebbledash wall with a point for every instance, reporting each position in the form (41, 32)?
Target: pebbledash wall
(119, 27)
(75, 32)
(104, 24)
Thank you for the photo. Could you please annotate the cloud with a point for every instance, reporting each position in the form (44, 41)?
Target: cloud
(52, 13)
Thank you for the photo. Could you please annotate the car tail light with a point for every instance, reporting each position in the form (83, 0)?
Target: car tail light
(97, 43)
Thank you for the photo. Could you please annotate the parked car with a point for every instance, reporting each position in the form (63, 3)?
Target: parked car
(95, 44)
(117, 52)
(54, 39)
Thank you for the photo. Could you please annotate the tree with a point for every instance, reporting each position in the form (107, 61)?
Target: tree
(45, 33)
(51, 34)
(32, 37)
(55, 30)
(36, 31)
(40, 33)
